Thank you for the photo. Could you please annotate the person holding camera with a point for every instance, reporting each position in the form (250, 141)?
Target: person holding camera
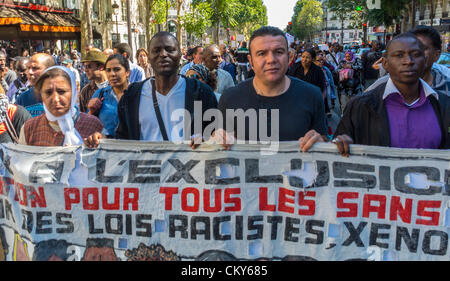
(370, 74)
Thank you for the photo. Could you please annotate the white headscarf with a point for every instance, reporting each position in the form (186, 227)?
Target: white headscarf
(65, 122)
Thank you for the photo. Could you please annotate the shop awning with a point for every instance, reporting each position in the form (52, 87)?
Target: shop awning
(39, 21)
(34, 24)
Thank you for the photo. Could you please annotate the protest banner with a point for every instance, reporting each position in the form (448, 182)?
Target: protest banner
(161, 201)
(290, 38)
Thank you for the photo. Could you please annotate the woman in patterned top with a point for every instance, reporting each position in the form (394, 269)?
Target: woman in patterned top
(61, 124)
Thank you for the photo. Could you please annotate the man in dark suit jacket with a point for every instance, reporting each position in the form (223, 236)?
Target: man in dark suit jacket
(404, 112)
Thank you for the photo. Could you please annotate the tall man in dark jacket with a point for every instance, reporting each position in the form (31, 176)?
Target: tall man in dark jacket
(175, 96)
(404, 112)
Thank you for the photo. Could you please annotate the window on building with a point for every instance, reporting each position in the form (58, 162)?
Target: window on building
(114, 39)
(141, 14)
(124, 10)
(109, 10)
(41, 2)
(95, 9)
(142, 41)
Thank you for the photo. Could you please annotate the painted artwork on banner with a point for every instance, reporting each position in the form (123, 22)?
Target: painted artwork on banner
(135, 201)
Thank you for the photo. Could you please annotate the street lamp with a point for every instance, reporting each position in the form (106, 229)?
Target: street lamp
(115, 8)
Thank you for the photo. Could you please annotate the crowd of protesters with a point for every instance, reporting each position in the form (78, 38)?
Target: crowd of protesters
(394, 95)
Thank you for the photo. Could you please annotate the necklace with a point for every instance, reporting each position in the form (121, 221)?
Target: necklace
(261, 93)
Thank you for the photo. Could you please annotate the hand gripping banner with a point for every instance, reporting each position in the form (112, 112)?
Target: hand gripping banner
(160, 201)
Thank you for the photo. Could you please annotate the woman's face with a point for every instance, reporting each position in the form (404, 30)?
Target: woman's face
(306, 59)
(348, 57)
(143, 59)
(116, 73)
(320, 58)
(56, 94)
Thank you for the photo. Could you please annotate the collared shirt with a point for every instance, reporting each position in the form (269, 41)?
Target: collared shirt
(13, 90)
(108, 112)
(412, 125)
(137, 73)
(29, 100)
(185, 68)
(87, 92)
(441, 82)
(224, 81)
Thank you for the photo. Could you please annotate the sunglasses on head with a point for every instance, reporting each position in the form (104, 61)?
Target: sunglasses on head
(194, 76)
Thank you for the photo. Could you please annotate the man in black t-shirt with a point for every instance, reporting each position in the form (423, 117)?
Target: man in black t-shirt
(301, 112)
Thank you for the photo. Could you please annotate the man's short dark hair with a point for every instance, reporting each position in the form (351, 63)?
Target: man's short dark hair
(195, 50)
(429, 32)
(312, 52)
(190, 52)
(267, 31)
(124, 48)
(165, 34)
(404, 35)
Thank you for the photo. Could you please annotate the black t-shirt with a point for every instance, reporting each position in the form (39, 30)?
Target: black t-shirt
(301, 108)
(314, 75)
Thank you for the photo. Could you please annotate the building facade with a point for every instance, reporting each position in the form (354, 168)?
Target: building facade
(434, 12)
(332, 29)
(124, 21)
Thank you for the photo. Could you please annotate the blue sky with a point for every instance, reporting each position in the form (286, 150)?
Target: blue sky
(279, 12)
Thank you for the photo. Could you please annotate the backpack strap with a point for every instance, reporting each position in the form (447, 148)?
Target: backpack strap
(162, 128)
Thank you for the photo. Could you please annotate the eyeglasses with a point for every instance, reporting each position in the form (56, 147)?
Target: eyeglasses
(90, 66)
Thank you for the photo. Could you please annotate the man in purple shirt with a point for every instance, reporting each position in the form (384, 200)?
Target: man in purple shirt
(404, 112)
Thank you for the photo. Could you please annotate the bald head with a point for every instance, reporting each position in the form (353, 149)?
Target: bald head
(44, 59)
(108, 52)
(37, 65)
(223, 49)
(211, 57)
(211, 49)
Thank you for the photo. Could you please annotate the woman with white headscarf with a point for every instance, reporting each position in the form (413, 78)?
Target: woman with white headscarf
(61, 124)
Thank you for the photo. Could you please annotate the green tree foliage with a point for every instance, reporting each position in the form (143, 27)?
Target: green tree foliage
(252, 14)
(342, 9)
(198, 19)
(390, 13)
(243, 15)
(309, 19)
(224, 13)
(159, 8)
(357, 18)
(296, 30)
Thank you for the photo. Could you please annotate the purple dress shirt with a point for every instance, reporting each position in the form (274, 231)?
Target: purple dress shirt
(415, 125)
